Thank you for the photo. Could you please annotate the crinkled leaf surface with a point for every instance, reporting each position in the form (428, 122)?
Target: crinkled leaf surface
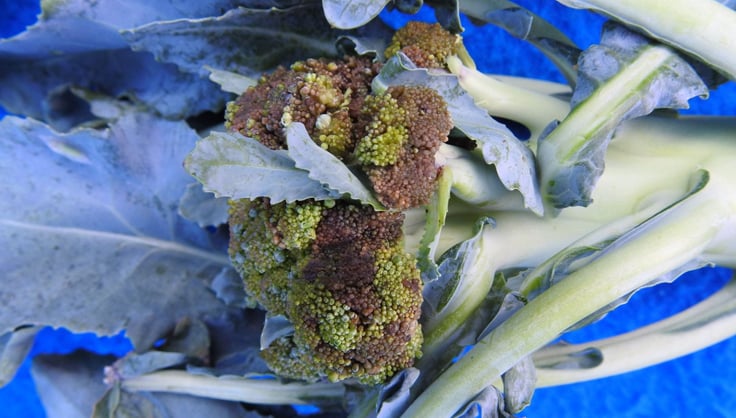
(232, 165)
(325, 167)
(622, 78)
(243, 40)
(91, 235)
(349, 14)
(39, 66)
(513, 160)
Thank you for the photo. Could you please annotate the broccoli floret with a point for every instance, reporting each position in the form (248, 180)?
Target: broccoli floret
(325, 95)
(406, 126)
(427, 45)
(266, 242)
(339, 272)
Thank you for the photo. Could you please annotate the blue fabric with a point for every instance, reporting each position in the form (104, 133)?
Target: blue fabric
(700, 384)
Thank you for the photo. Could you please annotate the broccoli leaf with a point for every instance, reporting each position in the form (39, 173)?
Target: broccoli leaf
(91, 236)
(244, 40)
(623, 78)
(14, 347)
(350, 14)
(395, 396)
(203, 207)
(235, 166)
(518, 385)
(38, 68)
(69, 385)
(513, 160)
(325, 167)
(489, 403)
(523, 24)
(119, 402)
(120, 15)
(229, 81)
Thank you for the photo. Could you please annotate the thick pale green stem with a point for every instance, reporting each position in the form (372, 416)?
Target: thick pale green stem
(503, 99)
(255, 391)
(666, 245)
(703, 28)
(707, 323)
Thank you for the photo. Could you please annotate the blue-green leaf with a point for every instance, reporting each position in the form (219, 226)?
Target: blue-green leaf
(243, 40)
(91, 236)
(623, 78)
(202, 207)
(350, 14)
(38, 69)
(235, 166)
(325, 167)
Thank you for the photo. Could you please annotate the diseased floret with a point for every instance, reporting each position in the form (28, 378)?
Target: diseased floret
(399, 149)
(266, 243)
(386, 133)
(325, 95)
(339, 272)
(427, 45)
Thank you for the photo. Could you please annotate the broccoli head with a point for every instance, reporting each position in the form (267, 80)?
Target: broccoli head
(339, 272)
(427, 45)
(325, 95)
(405, 127)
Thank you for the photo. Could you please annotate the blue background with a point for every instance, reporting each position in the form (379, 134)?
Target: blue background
(701, 384)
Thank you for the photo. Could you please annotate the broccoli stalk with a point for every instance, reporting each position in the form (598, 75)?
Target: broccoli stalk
(253, 390)
(500, 97)
(696, 29)
(671, 231)
(696, 328)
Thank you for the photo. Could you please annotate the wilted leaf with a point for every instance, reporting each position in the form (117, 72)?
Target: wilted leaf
(91, 236)
(232, 165)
